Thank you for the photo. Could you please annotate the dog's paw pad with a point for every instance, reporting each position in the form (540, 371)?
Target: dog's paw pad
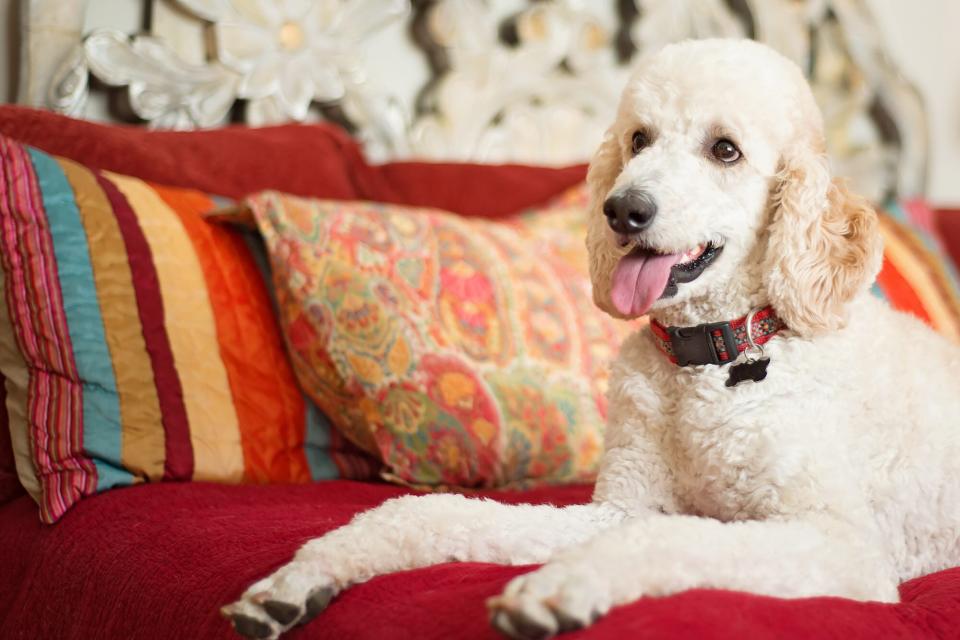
(566, 622)
(251, 627)
(519, 626)
(291, 596)
(283, 612)
(554, 599)
(317, 601)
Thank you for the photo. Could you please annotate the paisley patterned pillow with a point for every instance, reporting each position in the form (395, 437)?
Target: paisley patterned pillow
(462, 353)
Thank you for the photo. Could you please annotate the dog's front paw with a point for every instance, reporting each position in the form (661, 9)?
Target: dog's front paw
(556, 598)
(293, 595)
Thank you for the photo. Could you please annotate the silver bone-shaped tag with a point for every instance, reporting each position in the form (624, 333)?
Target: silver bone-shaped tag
(754, 366)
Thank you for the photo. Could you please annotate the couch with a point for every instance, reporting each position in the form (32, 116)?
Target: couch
(158, 560)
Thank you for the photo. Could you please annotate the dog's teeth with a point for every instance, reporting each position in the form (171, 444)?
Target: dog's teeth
(692, 255)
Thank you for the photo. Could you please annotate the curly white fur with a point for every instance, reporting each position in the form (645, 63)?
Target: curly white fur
(839, 474)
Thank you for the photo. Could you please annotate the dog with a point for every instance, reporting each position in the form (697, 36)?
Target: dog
(776, 429)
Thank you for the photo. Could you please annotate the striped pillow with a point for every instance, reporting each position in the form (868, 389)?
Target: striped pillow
(138, 342)
(917, 276)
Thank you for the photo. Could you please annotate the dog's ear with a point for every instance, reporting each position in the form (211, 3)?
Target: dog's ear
(824, 245)
(605, 166)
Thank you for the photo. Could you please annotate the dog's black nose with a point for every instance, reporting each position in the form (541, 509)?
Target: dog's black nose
(629, 212)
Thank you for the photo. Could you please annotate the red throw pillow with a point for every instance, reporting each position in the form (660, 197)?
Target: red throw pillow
(475, 190)
(318, 160)
(233, 161)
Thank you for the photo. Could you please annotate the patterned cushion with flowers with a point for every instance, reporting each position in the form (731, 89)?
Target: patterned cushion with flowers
(460, 352)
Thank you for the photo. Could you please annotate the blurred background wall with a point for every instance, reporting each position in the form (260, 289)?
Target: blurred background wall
(923, 37)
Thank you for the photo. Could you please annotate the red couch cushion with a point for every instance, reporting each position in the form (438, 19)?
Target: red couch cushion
(230, 161)
(310, 160)
(157, 561)
(479, 190)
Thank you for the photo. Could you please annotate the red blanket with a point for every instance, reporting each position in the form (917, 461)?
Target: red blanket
(157, 561)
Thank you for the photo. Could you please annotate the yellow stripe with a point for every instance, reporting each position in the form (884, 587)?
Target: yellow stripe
(17, 381)
(188, 317)
(911, 267)
(142, 440)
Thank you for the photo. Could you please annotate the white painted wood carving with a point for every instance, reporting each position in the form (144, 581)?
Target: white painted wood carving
(495, 81)
(544, 99)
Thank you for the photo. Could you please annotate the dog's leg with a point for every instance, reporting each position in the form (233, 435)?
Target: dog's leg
(406, 533)
(663, 554)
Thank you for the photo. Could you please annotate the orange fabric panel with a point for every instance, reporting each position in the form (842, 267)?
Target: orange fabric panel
(269, 405)
(925, 272)
(899, 292)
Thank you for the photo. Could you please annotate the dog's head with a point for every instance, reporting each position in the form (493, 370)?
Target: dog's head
(712, 190)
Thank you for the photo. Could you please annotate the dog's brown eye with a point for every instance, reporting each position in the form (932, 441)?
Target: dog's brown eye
(725, 151)
(640, 141)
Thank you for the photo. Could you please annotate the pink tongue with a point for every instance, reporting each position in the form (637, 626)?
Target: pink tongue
(639, 280)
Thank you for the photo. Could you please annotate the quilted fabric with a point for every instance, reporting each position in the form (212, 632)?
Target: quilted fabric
(156, 562)
(461, 352)
(138, 342)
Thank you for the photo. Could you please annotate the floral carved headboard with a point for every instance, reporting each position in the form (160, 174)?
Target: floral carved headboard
(533, 81)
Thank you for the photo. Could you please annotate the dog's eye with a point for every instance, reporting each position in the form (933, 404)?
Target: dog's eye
(640, 142)
(725, 151)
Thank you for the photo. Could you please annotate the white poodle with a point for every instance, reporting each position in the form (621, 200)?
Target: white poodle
(824, 461)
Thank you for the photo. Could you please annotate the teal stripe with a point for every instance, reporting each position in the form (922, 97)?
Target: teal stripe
(317, 427)
(317, 444)
(258, 251)
(896, 211)
(101, 404)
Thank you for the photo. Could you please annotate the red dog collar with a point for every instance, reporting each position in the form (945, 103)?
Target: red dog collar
(716, 342)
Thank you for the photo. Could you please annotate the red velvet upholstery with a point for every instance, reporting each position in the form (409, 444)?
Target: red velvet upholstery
(157, 561)
(232, 161)
(319, 160)
(476, 190)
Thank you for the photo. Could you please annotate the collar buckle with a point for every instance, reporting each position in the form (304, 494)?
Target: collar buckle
(698, 345)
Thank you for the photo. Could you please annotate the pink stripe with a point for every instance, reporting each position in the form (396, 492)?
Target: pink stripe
(43, 392)
(15, 164)
(54, 400)
(14, 265)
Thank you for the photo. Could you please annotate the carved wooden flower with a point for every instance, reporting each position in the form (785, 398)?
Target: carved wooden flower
(502, 103)
(292, 52)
